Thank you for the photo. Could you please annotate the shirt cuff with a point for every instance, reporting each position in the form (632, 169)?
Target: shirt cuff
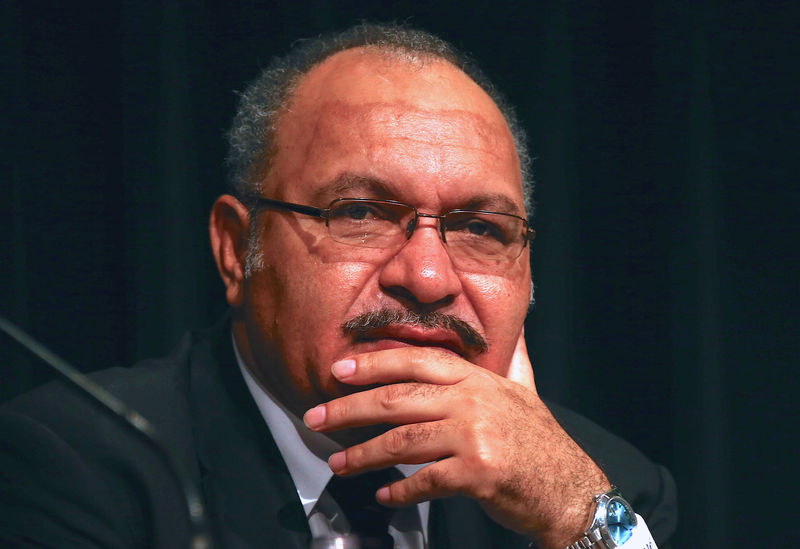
(641, 539)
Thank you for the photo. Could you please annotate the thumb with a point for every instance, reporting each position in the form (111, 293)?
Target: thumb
(520, 370)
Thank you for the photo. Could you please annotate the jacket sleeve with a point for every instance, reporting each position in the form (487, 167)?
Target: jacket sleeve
(648, 487)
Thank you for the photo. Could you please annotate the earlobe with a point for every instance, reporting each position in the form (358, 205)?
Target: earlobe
(229, 226)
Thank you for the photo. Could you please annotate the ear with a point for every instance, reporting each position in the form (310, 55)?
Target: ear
(229, 228)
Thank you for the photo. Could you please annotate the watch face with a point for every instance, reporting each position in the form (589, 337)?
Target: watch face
(620, 520)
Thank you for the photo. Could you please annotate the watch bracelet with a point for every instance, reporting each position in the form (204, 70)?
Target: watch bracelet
(586, 542)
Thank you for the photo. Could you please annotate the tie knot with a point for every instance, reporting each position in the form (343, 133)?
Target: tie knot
(367, 518)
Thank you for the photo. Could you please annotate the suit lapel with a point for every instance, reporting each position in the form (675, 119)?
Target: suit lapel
(251, 499)
(250, 494)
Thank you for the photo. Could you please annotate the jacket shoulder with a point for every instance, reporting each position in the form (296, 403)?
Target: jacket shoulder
(73, 470)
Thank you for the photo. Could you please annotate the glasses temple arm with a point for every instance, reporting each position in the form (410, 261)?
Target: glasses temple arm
(299, 208)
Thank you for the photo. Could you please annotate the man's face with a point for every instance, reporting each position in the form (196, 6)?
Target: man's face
(366, 125)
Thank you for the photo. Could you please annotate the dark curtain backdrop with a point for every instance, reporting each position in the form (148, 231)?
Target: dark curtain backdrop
(665, 260)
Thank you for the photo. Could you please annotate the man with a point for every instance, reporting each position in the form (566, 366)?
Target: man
(375, 256)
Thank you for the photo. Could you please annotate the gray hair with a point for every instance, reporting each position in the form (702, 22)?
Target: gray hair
(252, 136)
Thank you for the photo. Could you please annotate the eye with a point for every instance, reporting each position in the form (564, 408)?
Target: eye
(359, 211)
(367, 223)
(478, 228)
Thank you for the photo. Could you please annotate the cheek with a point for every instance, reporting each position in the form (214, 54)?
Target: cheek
(338, 288)
(498, 296)
(330, 283)
(300, 306)
(313, 299)
(501, 304)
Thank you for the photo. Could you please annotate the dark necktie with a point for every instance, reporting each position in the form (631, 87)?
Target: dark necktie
(368, 518)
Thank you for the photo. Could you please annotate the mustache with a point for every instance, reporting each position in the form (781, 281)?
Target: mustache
(361, 325)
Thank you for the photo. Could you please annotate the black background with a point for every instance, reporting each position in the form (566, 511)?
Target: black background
(665, 261)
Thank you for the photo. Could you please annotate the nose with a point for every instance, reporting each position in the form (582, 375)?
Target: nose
(420, 274)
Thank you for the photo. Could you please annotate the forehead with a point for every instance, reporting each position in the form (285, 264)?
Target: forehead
(424, 128)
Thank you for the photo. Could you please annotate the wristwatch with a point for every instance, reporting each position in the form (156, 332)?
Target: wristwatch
(612, 525)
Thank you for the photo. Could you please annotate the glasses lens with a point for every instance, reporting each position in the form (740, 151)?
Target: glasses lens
(475, 240)
(369, 223)
(483, 235)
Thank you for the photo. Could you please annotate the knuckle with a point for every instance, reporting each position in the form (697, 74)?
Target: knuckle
(420, 357)
(488, 475)
(399, 491)
(485, 456)
(432, 479)
(427, 361)
(472, 401)
(355, 456)
(337, 410)
(419, 390)
(485, 491)
(424, 358)
(391, 395)
(476, 461)
(470, 433)
(397, 440)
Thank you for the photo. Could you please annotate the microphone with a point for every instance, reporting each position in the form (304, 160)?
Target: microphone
(201, 534)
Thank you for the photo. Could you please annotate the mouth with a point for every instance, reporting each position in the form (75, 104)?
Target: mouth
(394, 337)
(387, 328)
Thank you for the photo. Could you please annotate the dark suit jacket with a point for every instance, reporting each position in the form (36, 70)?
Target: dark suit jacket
(71, 476)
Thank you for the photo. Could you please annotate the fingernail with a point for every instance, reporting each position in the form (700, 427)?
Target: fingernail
(344, 368)
(383, 494)
(315, 417)
(337, 461)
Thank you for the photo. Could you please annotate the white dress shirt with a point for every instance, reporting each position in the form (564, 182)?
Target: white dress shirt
(306, 455)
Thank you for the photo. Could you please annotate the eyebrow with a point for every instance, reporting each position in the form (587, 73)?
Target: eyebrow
(349, 182)
(351, 185)
(493, 202)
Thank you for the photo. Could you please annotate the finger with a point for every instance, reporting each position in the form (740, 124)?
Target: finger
(437, 480)
(520, 370)
(424, 364)
(418, 443)
(395, 404)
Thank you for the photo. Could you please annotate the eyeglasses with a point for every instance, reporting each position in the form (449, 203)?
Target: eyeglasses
(474, 238)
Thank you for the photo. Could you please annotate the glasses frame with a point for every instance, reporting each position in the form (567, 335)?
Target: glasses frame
(324, 213)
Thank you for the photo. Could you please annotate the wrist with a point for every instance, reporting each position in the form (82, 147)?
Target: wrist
(573, 517)
(613, 523)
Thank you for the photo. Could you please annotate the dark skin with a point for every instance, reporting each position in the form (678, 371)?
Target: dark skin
(424, 134)
(472, 424)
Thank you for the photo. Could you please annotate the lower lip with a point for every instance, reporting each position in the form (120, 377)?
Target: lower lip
(385, 344)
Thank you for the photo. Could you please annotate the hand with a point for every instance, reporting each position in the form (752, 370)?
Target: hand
(489, 437)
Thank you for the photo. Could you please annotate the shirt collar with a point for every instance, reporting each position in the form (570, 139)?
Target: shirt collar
(305, 452)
